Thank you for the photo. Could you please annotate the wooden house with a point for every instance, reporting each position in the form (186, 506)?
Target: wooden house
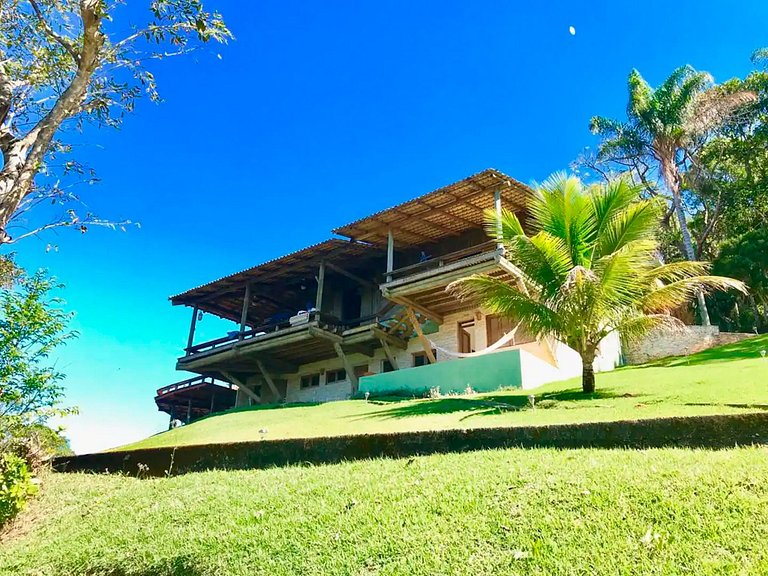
(369, 313)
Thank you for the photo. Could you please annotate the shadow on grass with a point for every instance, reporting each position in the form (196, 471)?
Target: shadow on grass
(176, 566)
(488, 404)
(749, 348)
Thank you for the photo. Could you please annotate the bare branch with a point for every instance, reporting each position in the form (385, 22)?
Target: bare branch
(64, 42)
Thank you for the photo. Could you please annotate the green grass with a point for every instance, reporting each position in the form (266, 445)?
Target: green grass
(726, 380)
(595, 512)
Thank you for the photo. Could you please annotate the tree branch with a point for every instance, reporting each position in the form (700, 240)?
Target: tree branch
(64, 42)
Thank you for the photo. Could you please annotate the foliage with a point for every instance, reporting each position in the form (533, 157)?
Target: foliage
(32, 326)
(665, 129)
(588, 267)
(746, 258)
(65, 64)
(16, 486)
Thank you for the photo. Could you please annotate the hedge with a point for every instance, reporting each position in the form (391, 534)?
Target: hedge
(719, 431)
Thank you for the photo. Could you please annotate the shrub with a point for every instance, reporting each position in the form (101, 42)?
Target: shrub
(16, 486)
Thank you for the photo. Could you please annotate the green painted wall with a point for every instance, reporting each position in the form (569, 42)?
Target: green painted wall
(483, 373)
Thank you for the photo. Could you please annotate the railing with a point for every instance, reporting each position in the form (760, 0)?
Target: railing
(440, 261)
(184, 384)
(259, 331)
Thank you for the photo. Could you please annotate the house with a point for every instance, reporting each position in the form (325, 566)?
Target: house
(370, 313)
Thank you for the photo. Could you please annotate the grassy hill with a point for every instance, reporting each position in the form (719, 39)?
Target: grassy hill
(493, 512)
(597, 512)
(724, 380)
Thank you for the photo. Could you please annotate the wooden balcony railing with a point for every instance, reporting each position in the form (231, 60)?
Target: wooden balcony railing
(445, 259)
(190, 383)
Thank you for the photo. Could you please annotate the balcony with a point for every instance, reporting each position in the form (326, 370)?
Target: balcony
(422, 286)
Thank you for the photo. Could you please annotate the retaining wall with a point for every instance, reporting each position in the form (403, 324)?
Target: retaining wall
(688, 340)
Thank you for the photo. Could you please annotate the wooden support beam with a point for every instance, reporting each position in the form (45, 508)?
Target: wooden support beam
(244, 314)
(324, 334)
(241, 386)
(515, 272)
(268, 379)
(392, 340)
(192, 325)
(408, 303)
(351, 276)
(390, 254)
(350, 369)
(189, 409)
(388, 353)
(423, 339)
(320, 286)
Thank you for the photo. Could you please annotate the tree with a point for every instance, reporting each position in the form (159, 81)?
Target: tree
(746, 258)
(664, 128)
(32, 326)
(64, 64)
(589, 268)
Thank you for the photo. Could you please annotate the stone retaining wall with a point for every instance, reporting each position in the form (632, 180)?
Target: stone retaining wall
(688, 340)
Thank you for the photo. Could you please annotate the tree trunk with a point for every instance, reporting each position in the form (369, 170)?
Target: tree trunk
(587, 372)
(672, 179)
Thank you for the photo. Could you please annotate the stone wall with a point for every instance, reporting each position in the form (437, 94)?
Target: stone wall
(688, 340)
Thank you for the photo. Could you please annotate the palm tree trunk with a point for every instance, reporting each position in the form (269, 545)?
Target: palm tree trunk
(671, 178)
(587, 372)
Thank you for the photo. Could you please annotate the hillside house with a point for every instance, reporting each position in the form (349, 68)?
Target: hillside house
(369, 313)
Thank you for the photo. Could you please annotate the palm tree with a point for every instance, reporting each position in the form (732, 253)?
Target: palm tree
(664, 125)
(589, 268)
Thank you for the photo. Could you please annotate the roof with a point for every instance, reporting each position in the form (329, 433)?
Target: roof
(446, 211)
(224, 297)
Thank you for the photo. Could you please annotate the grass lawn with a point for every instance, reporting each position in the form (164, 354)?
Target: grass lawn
(596, 512)
(729, 379)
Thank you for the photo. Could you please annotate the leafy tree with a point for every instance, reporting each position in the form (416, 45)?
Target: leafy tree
(32, 326)
(746, 258)
(589, 267)
(67, 63)
(664, 129)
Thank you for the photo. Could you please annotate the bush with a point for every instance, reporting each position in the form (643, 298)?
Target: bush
(16, 486)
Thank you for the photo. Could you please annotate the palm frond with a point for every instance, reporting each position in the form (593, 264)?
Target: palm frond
(635, 328)
(676, 294)
(637, 222)
(640, 95)
(760, 56)
(713, 108)
(674, 271)
(505, 228)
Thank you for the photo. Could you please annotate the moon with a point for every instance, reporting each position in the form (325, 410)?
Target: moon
(572, 30)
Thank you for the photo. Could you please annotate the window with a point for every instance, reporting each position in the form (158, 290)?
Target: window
(332, 376)
(467, 336)
(420, 358)
(497, 326)
(361, 370)
(310, 380)
(386, 366)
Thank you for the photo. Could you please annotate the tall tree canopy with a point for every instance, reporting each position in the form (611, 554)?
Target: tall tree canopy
(664, 129)
(589, 267)
(66, 63)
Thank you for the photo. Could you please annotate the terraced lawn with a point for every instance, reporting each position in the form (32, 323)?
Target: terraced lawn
(730, 379)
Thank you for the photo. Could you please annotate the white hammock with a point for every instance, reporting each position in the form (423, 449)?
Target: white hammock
(508, 337)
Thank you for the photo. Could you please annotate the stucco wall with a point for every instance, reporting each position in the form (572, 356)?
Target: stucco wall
(688, 340)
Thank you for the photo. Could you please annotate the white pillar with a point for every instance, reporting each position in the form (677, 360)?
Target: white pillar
(497, 206)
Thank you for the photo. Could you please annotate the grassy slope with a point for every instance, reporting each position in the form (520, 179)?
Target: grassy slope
(700, 384)
(500, 512)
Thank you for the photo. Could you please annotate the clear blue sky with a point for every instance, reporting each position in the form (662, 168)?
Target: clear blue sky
(319, 113)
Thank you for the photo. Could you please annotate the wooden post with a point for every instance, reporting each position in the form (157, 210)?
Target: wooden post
(189, 409)
(347, 366)
(497, 206)
(192, 326)
(388, 354)
(244, 315)
(320, 285)
(213, 399)
(241, 385)
(423, 339)
(268, 379)
(390, 254)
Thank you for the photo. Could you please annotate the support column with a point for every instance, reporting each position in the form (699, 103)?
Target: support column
(390, 254)
(189, 410)
(420, 333)
(244, 315)
(320, 285)
(348, 367)
(268, 379)
(192, 326)
(497, 207)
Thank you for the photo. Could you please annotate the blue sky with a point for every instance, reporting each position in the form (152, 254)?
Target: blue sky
(319, 113)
